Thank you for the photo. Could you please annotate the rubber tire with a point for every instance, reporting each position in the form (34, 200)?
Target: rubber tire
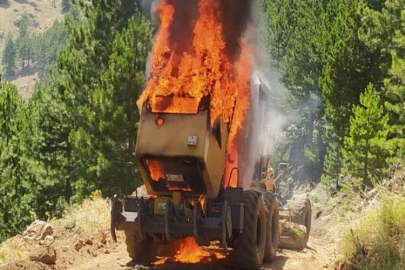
(140, 250)
(302, 215)
(248, 254)
(272, 227)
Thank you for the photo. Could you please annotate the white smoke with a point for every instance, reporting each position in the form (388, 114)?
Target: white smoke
(268, 116)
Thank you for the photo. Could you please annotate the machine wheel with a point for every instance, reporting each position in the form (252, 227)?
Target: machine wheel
(140, 250)
(302, 214)
(272, 225)
(249, 246)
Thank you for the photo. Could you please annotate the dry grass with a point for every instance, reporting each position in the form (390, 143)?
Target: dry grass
(43, 12)
(86, 219)
(26, 85)
(377, 241)
(89, 217)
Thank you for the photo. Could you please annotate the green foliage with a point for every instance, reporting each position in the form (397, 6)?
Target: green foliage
(292, 39)
(377, 242)
(348, 65)
(23, 42)
(9, 57)
(46, 46)
(365, 149)
(333, 161)
(384, 31)
(16, 196)
(38, 50)
(82, 119)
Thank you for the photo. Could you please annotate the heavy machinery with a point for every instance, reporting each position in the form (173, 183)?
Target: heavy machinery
(182, 158)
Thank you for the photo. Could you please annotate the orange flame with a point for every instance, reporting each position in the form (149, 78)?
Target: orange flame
(155, 168)
(201, 200)
(190, 252)
(177, 83)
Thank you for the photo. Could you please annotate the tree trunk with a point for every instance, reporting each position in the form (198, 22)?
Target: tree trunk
(365, 173)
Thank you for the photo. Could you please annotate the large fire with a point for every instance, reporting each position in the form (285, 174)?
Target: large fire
(179, 81)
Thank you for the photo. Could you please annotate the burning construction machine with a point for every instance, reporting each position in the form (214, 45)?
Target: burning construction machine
(182, 160)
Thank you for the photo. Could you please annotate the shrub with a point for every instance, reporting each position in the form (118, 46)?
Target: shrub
(378, 240)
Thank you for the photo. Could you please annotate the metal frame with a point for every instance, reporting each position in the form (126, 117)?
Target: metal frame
(204, 227)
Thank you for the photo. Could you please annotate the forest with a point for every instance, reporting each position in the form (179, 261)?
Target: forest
(342, 63)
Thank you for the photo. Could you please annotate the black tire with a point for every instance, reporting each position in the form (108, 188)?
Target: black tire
(302, 215)
(249, 246)
(273, 228)
(140, 250)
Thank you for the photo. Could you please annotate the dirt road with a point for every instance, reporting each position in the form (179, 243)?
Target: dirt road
(317, 256)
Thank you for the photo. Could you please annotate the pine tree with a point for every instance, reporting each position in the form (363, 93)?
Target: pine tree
(23, 43)
(365, 149)
(117, 114)
(9, 58)
(292, 32)
(395, 96)
(348, 65)
(16, 192)
(384, 31)
(70, 105)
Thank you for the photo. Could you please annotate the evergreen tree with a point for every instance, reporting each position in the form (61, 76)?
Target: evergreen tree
(348, 65)
(23, 42)
(395, 96)
(16, 192)
(384, 31)
(9, 58)
(115, 101)
(293, 41)
(69, 99)
(365, 149)
(46, 47)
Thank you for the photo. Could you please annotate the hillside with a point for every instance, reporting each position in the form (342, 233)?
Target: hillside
(43, 13)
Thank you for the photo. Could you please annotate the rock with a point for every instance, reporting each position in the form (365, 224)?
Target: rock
(34, 230)
(106, 251)
(89, 242)
(293, 230)
(38, 230)
(71, 224)
(78, 245)
(48, 238)
(44, 255)
(103, 239)
(47, 230)
(374, 202)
